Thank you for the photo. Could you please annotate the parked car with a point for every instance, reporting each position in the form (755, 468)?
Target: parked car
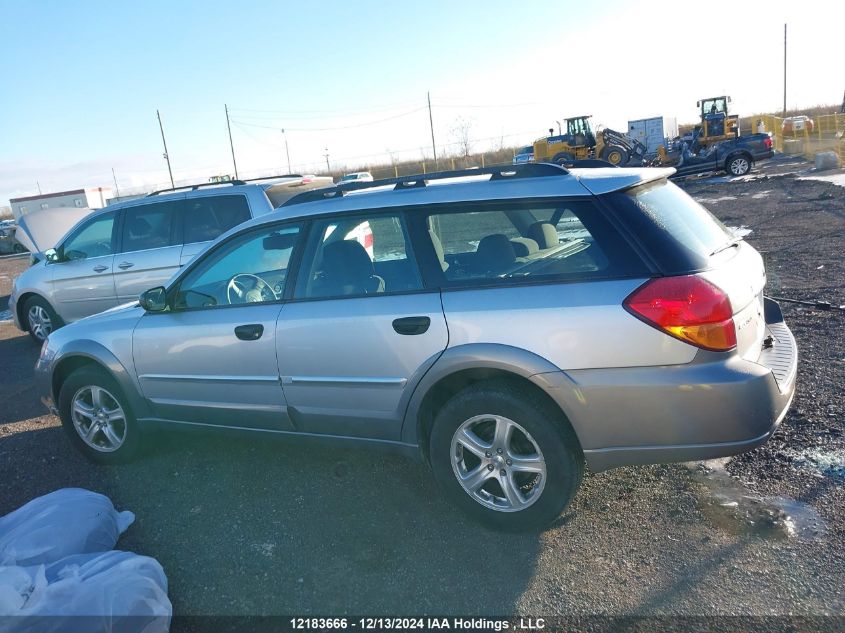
(512, 324)
(8, 241)
(797, 125)
(524, 155)
(358, 176)
(115, 253)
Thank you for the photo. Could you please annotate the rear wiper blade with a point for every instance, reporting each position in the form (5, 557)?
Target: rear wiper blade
(734, 242)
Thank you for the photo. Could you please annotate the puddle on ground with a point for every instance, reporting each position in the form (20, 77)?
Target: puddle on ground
(731, 507)
(827, 463)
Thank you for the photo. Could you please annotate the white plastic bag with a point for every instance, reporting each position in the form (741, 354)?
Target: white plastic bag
(104, 592)
(59, 524)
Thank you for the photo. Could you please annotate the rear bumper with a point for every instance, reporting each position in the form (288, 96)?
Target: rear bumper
(716, 406)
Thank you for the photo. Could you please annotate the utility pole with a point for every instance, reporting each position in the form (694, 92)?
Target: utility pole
(38, 184)
(116, 188)
(328, 168)
(166, 155)
(431, 123)
(287, 150)
(784, 70)
(231, 144)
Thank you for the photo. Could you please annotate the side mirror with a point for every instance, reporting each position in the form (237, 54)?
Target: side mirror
(154, 299)
(51, 255)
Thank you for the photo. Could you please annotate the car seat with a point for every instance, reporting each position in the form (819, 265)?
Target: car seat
(347, 270)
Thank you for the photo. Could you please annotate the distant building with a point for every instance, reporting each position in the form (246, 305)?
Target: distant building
(91, 197)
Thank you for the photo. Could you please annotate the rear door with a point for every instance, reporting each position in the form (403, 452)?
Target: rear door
(206, 217)
(150, 246)
(82, 282)
(360, 330)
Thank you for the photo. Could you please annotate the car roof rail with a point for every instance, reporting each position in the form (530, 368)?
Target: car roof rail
(196, 186)
(273, 177)
(496, 172)
(590, 163)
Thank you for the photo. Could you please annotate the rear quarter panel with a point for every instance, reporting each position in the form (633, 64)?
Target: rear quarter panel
(573, 325)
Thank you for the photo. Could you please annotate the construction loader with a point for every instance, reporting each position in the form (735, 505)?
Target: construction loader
(580, 143)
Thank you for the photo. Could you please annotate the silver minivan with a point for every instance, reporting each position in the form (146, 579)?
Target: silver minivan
(508, 325)
(117, 252)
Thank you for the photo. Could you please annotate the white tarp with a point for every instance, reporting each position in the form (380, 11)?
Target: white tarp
(108, 591)
(42, 229)
(65, 522)
(58, 571)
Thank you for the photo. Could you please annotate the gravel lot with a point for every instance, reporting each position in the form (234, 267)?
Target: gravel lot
(264, 527)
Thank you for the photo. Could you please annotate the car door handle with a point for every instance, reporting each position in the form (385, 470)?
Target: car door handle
(412, 325)
(250, 332)
(100, 268)
(125, 265)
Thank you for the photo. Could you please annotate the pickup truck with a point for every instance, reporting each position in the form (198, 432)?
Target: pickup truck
(735, 156)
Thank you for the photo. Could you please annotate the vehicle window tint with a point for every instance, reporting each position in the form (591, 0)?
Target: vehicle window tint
(148, 226)
(668, 216)
(566, 241)
(250, 268)
(208, 217)
(356, 256)
(93, 239)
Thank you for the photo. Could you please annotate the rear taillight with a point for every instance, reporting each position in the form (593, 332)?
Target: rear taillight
(768, 142)
(688, 308)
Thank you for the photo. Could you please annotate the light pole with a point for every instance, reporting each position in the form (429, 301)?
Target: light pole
(287, 150)
(328, 167)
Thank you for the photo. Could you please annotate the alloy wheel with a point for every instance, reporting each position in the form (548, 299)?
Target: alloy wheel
(498, 463)
(40, 322)
(98, 418)
(739, 166)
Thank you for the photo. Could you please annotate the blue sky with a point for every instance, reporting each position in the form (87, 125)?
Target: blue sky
(85, 78)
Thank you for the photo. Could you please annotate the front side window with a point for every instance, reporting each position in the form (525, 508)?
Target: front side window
(92, 239)
(208, 217)
(355, 256)
(149, 226)
(249, 268)
(524, 242)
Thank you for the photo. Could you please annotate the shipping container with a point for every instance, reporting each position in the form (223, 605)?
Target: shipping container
(653, 132)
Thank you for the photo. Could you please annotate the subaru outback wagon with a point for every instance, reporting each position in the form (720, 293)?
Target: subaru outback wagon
(510, 325)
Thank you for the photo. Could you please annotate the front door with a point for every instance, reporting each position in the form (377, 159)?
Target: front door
(361, 331)
(211, 358)
(82, 280)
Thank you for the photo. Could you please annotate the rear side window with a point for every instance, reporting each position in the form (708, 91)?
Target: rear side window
(355, 256)
(567, 241)
(149, 226)
(676, 230)
(208, 217)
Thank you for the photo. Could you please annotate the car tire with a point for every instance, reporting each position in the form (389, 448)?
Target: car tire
(96, 416)
(40, 318)
(540, 439)
(738, 165)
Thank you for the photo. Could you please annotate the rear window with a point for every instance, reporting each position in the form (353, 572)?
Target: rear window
(676, 230)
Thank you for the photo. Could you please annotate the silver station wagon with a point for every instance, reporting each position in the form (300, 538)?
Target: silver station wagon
(509, 325)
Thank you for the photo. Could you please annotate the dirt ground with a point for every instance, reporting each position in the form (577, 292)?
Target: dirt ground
(264, 527)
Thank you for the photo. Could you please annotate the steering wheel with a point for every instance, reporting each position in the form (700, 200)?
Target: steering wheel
(256, 292)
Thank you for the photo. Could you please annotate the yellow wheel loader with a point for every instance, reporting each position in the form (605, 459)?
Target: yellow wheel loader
(580, 143)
